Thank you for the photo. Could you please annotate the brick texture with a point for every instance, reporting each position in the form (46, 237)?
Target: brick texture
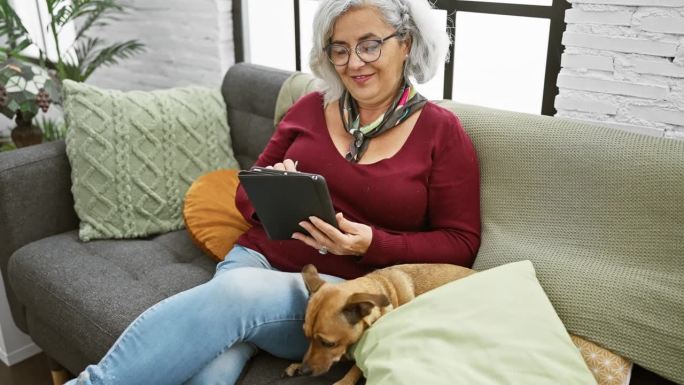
(623, 65)
(188, 43)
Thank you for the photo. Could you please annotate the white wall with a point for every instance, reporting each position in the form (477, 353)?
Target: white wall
(623, 65)
(15, 346)
(187, 42)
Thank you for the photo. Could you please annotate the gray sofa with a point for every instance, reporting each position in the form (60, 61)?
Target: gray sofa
(75, 298)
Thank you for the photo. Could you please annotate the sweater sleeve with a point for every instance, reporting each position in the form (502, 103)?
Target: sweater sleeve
(273, 153)
(453, 231)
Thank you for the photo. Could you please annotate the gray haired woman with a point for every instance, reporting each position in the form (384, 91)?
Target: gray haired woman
(402, 175)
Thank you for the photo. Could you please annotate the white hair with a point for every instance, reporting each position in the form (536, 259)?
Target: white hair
(429, 43)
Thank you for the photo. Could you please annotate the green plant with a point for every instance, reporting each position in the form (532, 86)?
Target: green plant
(86, 54)
(7, 147)
(52, 129)
(13, 31)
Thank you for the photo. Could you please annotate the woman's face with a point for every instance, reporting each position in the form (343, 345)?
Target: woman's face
(374, 83)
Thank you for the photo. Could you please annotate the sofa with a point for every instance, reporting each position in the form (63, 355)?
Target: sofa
(552, 189)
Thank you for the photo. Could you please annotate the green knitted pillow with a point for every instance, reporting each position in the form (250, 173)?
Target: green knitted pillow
(134, 154)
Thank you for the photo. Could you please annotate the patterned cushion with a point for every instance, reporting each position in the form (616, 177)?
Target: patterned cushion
(134, 155)
(607, 367)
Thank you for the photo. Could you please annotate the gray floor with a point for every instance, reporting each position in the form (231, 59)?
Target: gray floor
(32, 371)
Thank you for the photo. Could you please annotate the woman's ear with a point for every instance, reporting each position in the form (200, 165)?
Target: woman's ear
(407, 42)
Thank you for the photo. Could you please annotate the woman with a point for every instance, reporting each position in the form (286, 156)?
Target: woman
(402, 174)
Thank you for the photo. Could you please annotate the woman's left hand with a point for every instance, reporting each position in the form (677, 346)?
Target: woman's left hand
(352, 238)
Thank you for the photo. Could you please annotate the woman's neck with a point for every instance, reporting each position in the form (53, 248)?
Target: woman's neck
(369, 113)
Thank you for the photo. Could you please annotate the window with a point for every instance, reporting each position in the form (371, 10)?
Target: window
(34, 16)
(506, 53)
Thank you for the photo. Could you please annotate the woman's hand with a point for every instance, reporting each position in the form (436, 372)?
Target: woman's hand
(352, 238)
(286, 165)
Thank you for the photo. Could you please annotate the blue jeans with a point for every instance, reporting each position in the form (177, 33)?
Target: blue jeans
(206, 335)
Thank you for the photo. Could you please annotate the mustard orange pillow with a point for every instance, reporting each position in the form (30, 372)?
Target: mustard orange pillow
(212, 220)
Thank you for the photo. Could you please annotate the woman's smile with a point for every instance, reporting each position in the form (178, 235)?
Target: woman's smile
(361, 79)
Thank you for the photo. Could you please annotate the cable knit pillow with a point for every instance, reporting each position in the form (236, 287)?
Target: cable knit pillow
(134, 154)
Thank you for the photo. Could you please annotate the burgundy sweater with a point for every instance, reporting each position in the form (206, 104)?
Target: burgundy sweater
(423, 203)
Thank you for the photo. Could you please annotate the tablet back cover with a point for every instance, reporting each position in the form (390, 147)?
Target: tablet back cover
(283, 199)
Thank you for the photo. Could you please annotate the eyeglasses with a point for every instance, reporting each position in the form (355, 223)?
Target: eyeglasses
(367, 50)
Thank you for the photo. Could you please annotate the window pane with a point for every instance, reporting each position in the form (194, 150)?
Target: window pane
(28, 12)
(527, 2)
(307, 10)
(269, 39)
(500, 61)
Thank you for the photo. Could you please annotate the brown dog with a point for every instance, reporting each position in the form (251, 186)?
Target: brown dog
(338, 314)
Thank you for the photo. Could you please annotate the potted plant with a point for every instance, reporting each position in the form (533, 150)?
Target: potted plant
(29, 84)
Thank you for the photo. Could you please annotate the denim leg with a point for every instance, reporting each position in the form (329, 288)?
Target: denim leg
(227, 367)
(175, 339)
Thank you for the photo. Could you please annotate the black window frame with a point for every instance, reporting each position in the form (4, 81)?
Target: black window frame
(555, 13)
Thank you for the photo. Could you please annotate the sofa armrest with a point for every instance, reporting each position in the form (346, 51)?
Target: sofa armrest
(35, 202)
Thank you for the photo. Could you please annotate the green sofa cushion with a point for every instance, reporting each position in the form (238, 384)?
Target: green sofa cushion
(598, 211)
(494, 327)
(134, 155)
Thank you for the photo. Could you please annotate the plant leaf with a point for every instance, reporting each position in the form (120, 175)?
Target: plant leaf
(13, 30)
(97, 13)
(112, 54)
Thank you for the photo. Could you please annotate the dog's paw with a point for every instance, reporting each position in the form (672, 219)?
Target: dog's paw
(292, 370)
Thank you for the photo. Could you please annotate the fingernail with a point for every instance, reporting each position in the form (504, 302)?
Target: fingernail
(294, 236)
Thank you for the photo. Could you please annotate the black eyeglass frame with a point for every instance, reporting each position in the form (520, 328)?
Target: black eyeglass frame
(356, 49)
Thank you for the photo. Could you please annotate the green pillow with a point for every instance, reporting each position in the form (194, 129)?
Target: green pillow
(134, 154)
(494, 327)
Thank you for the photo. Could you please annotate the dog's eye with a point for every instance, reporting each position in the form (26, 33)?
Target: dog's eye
(328, 344)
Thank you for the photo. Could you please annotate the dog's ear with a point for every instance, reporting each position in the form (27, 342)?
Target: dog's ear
(312, 280)
(359, 305)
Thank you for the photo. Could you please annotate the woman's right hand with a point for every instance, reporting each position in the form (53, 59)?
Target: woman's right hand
(285, 165)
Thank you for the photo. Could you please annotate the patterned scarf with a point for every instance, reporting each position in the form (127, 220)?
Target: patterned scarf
(407, 101)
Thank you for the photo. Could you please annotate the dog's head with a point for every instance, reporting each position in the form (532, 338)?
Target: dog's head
(336, 317)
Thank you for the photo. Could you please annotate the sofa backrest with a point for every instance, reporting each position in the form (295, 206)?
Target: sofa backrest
(598, 211)
(250, 92)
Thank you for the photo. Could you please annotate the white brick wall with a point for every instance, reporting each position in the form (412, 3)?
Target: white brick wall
(187, 42)
(623, 65)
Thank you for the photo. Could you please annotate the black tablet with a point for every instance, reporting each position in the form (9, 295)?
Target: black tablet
(282, 199)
